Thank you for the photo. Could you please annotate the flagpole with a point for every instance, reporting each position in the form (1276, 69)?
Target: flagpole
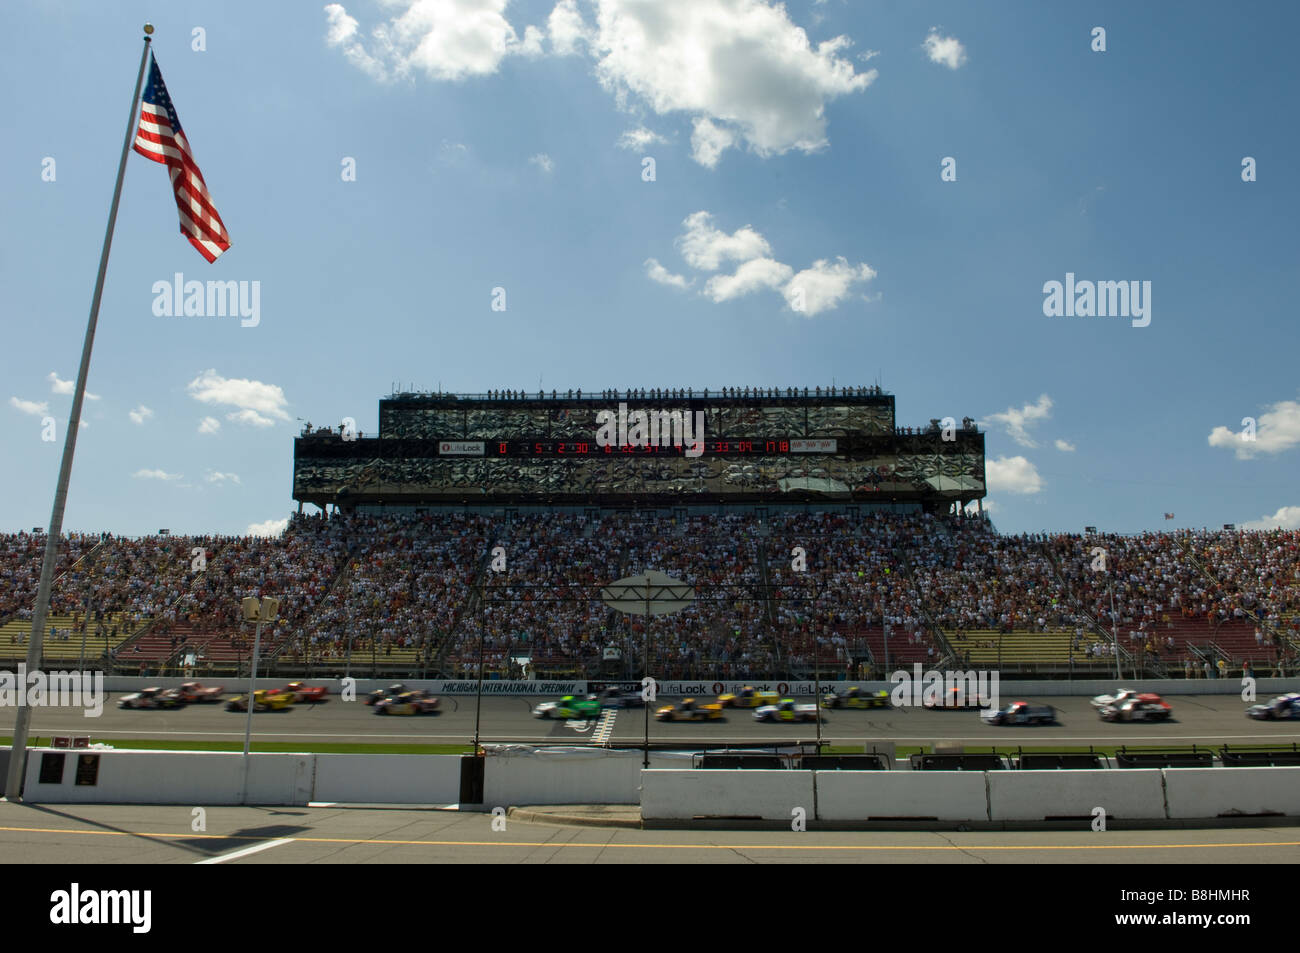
(18, 755)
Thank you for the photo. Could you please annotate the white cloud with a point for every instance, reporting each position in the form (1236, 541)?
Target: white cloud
(1287, 517)
(543, 162)
(66, 387)
(706, 248)
(1275, 431)
(453, 153)
(267, 528)
(250, 417)
(216, 476)
(33, 407)
(532, 44)
(753, 275)
(444, 39)
(657, 272)
(567, 28)
(209, 425)
(1013, 474)
(258, 403)
(824, 285)
(140, 414)
(990, 507)
(709, 141)
(1065, 446)
(156, 475)
(639, 139)
(945, 49)
(740, 65)
(1016, 421)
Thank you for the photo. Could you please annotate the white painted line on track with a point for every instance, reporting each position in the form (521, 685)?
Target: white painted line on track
(221, 859)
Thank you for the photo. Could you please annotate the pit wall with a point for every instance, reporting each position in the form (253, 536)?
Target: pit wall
(1007, 690)
(513, 775)
(675, 798)
(670, 793)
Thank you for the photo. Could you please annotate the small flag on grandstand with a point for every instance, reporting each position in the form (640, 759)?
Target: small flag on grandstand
(1169, 516)
(160, 138)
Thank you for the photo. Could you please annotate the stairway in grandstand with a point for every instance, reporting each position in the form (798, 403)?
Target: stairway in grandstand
(152, 643)
(469, 609)
(1096, 632)
(297, 638)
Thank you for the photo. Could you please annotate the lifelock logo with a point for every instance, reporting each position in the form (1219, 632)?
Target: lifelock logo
(102, 907)
(211, 299)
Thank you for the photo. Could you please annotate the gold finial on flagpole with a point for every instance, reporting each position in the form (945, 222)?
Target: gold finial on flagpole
(148, 29)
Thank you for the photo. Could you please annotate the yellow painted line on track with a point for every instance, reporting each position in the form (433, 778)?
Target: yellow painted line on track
(606, 845)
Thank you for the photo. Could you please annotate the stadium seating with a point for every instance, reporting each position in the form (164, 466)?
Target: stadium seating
(779, 593)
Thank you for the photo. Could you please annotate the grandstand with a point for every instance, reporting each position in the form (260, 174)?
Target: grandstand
(819, 537)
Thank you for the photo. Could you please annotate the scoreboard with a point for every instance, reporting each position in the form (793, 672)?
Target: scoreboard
(585, 448)
(456, 449)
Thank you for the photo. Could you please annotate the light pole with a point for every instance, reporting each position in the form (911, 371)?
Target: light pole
(647, 595)
(259, 611)
(1114, 628)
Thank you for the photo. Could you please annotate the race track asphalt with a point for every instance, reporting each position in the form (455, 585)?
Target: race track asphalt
(1202, 720)
(138, 834)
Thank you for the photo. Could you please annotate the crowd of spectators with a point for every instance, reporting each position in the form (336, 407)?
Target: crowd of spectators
(438, 584)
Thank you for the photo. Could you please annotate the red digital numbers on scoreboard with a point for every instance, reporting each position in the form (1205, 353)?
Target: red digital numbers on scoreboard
(501, 448)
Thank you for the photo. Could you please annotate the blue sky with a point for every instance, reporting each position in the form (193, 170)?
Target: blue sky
(795, 148)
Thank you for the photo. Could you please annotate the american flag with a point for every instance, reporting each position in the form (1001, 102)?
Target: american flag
(1169, 516)
(160, 138)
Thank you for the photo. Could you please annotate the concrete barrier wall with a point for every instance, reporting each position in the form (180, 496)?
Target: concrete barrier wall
(1219, 792)
(387, 779)
(197, 778)
(860, 795)
(521, 774)
(684, 794)
(1264, 687)
(237, 686)
(1039, 795)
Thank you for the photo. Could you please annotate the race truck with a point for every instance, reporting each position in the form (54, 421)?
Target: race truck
(1020, 713)
(786, 710)
(1283, 707)
(392, 691)
(194, 692)
(408, 703)
(614, 697)
(855, 698)
(303, 692)
(748, 697)
(569, 707)
(153, 698)
(1142, 707)
(956, 699)
(689, 710)
(1121, 696)
(264, 699)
